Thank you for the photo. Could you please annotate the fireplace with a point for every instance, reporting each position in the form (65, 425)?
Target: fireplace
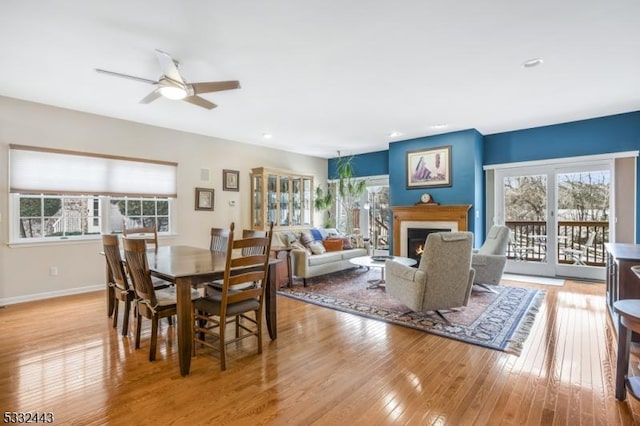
(433, 218)
(416, 238)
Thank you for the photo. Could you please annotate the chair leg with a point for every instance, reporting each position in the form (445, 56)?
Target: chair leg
(486, 287)
(223, 351)
(125, 320)
(115, 313)
(154, 338)
(443, 317)
(138, 329)
(259, 326)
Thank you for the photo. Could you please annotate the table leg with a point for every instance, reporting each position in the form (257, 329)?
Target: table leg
(622, 364)
(270, 303)
(185, 323)
(110, 292)
(289, 269)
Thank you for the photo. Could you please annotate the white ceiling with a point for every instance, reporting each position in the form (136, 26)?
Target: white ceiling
(323, 76)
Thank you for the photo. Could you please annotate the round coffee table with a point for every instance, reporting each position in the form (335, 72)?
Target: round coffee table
(369, 262)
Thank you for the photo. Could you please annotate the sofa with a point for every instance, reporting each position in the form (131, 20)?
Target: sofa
(319, 251)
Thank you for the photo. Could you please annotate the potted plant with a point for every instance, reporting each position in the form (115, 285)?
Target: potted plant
(348, 191)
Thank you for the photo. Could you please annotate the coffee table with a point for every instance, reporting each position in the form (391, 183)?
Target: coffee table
(369, 262)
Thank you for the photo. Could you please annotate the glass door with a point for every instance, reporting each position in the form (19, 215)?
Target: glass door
(558, 216)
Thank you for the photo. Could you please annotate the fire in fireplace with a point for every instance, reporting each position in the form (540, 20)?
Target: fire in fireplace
(416, 238)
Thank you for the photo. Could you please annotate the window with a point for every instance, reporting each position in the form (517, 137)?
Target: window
(49, 190)
(139, 212)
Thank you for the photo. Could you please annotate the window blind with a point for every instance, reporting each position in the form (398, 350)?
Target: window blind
(34, 170)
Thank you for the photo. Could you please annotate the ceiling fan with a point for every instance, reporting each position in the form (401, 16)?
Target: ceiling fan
(172, 85)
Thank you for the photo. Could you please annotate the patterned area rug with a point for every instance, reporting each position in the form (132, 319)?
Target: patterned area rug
(499, 321)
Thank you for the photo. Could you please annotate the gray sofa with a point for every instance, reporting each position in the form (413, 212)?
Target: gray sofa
(306, 263)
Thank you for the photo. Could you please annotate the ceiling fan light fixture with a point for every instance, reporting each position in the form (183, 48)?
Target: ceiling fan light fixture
(171, 92)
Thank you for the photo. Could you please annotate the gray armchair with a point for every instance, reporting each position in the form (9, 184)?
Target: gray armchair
(442, 280)
(489, 261)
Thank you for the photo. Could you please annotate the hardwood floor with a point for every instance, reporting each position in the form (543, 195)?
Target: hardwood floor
(327, 367)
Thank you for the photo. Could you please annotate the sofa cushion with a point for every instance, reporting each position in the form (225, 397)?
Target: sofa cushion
(317, 247)
(350, 254)
(328, 257)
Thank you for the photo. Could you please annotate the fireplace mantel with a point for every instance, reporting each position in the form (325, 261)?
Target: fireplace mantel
(427, 213)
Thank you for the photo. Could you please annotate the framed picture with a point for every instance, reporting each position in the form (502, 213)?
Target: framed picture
(230, 180)
(429, 167)
(204, 199)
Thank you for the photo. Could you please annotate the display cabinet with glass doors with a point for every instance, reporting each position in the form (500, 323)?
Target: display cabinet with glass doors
(282, 197)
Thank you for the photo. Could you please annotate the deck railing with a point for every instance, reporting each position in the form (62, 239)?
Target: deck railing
(529, 240)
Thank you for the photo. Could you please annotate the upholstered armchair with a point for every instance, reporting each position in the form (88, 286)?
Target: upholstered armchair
(442, 280)
(490, 259)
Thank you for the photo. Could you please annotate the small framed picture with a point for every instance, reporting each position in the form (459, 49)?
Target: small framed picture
(429, 167)
(204, 199)
(230, 180)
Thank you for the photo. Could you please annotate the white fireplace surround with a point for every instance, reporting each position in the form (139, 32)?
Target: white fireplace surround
(405, 225)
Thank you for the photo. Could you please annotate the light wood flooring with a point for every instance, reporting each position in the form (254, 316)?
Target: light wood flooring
(326, 367)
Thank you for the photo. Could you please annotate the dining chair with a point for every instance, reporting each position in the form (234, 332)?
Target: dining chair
(219, 238)
(234, 305)
(151, 303)
(148, 233)
(122, 291)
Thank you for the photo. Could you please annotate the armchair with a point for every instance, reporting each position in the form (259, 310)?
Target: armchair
(490, 259)
(443, 279)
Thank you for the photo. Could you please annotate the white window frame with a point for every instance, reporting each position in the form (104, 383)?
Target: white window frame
(37, 172)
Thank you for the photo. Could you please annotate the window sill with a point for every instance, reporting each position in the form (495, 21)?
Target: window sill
(59, 241)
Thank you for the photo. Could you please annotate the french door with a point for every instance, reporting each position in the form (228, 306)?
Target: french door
(558, 216)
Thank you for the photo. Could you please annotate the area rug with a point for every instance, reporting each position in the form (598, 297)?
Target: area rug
(500, 321)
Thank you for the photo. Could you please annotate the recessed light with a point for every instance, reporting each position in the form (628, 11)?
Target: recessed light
(395, 134)
(439, 126)
(532, 63)
(267, 135)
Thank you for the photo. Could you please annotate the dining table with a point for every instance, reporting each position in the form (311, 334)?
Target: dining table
(189, 267)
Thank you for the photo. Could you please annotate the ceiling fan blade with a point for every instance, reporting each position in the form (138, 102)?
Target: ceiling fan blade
(214, 86)
(168, 66)
(130, 77)
(151, 97)
(202, 102)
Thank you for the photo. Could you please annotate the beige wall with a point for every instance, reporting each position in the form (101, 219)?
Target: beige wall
(24, 270)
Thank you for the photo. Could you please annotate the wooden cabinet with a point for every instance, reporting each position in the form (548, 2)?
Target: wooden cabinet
(282, 197)
(622, 282)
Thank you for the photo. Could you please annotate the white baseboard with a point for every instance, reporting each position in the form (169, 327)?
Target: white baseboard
(50, 294)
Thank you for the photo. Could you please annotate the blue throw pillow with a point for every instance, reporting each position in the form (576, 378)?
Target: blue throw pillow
(316, 234)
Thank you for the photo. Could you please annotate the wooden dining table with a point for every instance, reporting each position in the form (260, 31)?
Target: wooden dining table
(188, 267)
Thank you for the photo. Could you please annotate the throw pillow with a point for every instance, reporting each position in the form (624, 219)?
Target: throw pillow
(332, 244)
(306, 238)
(347, 243)
(317, 235)
(317, 247)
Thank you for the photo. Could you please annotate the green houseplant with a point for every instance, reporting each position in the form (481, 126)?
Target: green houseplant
(344, 193)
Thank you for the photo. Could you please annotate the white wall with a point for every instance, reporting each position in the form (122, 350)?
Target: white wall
(24, 270)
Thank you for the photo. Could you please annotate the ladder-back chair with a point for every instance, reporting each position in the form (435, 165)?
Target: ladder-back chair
(234, 304)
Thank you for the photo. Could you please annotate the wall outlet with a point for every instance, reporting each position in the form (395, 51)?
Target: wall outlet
(53, 271)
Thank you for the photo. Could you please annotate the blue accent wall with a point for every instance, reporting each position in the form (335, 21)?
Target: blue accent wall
(466, 174)
(370, 164)
(614, 133)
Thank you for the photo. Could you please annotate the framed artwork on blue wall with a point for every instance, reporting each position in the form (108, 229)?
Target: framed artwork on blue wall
(429, 167)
